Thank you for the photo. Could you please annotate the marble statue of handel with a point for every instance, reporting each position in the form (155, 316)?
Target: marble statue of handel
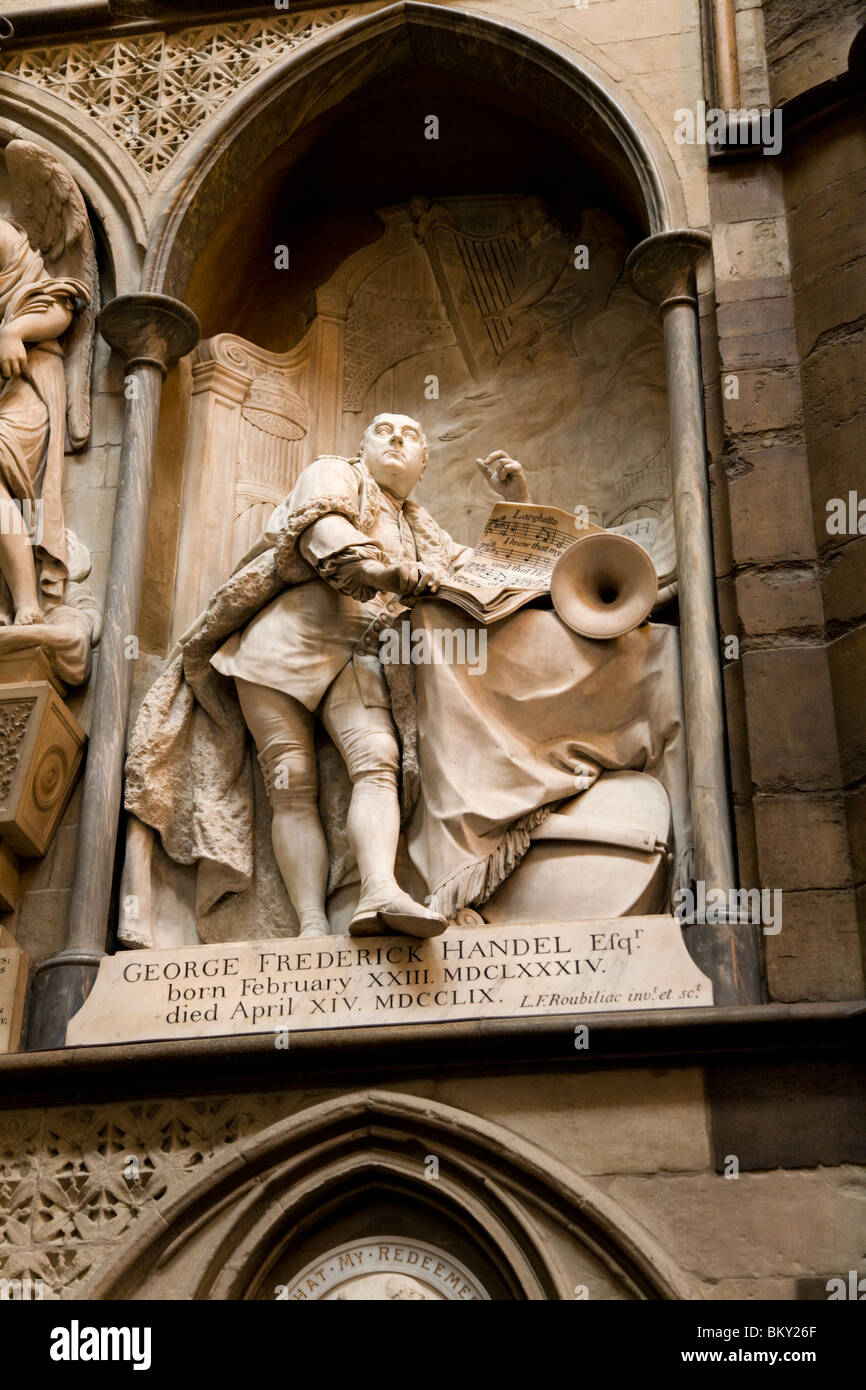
(312, 650)
(300, 655)
(295, 632)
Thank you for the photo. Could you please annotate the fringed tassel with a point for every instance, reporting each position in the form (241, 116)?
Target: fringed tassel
(475, 883)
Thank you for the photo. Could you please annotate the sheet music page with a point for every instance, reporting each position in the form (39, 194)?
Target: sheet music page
(518, 548)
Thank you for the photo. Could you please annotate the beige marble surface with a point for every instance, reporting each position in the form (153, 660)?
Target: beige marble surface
(339, 981)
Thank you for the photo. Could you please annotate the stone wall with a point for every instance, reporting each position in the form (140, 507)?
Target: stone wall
(807, 42)
(824, 193)
(785, 234)
(81, 1186)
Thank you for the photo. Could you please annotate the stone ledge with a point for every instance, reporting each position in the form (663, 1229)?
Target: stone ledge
(681, 1037)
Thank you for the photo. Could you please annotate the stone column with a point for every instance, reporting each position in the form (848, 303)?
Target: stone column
(726, 64)
(209, 482)
(329, 352)
(150, 332)
(662, 270)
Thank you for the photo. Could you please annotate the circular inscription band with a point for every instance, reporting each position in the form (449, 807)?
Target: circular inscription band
(386, 1268)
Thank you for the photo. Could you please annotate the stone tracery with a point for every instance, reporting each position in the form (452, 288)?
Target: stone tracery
(152, 92)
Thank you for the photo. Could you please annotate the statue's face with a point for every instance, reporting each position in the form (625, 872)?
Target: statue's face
(530, 216)
(394, 451)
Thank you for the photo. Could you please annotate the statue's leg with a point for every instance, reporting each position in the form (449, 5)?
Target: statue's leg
(18, 561)
(283, 730)
(367, 741)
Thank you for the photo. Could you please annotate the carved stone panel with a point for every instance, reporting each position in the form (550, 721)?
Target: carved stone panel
(41, 747)
(498, 327)
(251, 432)
(573, 385)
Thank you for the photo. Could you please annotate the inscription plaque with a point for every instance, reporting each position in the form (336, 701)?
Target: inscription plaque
(339, 981)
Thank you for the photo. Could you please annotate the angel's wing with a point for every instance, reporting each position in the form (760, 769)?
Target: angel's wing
(47, 204)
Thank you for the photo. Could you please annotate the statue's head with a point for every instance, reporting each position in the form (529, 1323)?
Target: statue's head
(394, 448)
(530, 216)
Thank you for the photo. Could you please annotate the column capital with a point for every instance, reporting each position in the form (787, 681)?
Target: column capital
(149, 329)
(662, 268)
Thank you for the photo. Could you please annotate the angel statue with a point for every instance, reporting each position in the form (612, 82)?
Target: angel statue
(49, 299)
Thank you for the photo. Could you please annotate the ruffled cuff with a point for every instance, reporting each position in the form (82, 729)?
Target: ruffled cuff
(340, 570)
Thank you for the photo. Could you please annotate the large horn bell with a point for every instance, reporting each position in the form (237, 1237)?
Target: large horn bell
(604, 585)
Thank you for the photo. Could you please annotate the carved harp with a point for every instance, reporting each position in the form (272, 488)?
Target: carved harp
(477, 277)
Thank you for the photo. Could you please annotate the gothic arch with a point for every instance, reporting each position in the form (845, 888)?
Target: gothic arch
(286, 100)
(218, 1236)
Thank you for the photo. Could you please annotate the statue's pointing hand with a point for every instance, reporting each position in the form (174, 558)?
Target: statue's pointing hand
(505, 475)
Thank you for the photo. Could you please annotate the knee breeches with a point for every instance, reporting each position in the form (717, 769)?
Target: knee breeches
(365, 736)
(283, 731)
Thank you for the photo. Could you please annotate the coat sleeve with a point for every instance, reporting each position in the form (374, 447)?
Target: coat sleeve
(326, 477)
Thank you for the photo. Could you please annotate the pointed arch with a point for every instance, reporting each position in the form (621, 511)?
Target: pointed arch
(289, 97)
(267, 1191)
